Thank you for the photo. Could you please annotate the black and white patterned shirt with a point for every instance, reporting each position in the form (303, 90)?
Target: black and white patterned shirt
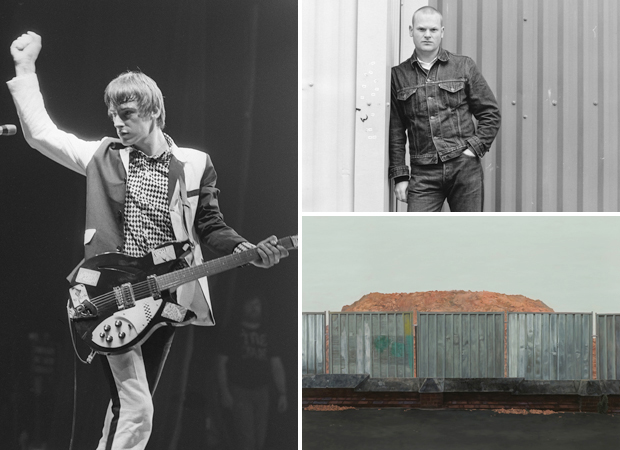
(147, 217)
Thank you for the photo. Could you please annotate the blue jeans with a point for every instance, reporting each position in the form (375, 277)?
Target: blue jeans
(459, 180)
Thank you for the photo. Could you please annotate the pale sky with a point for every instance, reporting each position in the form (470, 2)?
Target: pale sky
(571, 263)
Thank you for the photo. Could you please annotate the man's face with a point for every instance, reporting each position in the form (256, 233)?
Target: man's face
(132, 129)
(252, 310)
(426, 32)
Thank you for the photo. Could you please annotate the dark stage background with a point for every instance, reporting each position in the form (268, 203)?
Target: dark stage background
(228, 71)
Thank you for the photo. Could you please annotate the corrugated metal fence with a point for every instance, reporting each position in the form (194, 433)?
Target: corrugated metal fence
(313, 350)
(379, 344)
(550, 346)
(539, 346)
(608, 346)
(460, 345)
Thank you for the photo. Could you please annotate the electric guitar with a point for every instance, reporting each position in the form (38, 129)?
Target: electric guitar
(117, 301)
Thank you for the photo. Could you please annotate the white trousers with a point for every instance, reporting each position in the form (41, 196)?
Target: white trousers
(128, 423)
(133, 377)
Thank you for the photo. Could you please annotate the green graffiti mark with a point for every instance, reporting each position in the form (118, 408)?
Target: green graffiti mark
(409, 344)
(397, 349)
(382, 343)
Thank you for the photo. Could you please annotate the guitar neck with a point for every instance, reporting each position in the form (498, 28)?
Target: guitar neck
(175, 279)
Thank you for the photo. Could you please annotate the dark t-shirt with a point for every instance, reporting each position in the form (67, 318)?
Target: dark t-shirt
(249, 352)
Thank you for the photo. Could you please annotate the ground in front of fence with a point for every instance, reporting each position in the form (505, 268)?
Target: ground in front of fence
(457, 429)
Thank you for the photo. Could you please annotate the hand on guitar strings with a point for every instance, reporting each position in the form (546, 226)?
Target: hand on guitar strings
(270, 252)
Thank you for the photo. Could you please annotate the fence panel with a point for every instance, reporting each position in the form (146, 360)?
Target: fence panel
(608, 346)
(550, 346)
(375, 343)
(313, 344)
(460, 345)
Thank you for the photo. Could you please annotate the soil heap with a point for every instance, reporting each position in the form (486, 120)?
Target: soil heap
(447, 301)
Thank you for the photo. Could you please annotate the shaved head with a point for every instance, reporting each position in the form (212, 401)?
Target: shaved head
(426, 10)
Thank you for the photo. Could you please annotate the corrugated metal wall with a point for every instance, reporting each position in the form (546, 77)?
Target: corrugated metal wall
(553, 66)
(550, 346)
(460, 345)
(375, 343)
(313, 349)
(608, 346)
(328, 104)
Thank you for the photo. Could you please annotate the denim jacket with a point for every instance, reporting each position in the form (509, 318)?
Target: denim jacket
(435, 111)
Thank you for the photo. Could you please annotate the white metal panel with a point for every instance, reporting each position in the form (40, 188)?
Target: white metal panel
(329, 42)
(377, 42)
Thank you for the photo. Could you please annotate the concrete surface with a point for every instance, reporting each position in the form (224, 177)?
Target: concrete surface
(457, 430)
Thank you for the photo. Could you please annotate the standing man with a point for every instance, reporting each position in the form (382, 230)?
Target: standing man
(435, 95)
(142, 191)
(248, 364)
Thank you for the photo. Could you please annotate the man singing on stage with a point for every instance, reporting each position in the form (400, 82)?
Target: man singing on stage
(142, 191)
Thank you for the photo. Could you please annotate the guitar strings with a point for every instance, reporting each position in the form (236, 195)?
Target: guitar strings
(142, 289)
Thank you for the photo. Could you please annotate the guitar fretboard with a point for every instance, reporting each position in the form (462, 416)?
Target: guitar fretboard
(215, 266)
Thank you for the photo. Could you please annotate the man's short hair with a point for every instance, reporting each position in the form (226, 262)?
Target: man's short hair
(426, 10)
(136, 86)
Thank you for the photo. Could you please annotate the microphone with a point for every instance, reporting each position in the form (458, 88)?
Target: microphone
(8, 130)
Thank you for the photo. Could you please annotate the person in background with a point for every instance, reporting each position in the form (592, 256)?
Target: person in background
(245, 370)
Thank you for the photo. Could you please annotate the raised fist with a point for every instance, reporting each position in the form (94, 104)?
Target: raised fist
(25, 50)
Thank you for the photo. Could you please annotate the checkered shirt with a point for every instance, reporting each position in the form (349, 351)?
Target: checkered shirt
(147, 218)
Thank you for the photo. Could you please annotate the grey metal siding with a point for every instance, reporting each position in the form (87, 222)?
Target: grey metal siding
(553, 66)
(608, 346)
(374, 343)
(550, 346)
(460, 345)
(313, 344)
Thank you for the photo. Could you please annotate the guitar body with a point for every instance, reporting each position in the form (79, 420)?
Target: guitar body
(108, 322)
(117, 301)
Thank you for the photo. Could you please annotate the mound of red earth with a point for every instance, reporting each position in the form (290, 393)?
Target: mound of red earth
(447, 301)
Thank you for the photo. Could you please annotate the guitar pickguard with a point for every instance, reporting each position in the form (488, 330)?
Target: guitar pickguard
(125, 326)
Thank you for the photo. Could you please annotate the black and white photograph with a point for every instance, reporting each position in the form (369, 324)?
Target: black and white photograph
(149, 227)
(398, 94)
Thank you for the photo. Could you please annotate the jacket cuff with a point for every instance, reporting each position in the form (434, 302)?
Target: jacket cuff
(243, 246)
(475, 144)
(400, 179)
(398, 171)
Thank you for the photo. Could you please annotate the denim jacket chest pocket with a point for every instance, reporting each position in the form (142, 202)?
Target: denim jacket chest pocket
(409, 100)
(452, 93)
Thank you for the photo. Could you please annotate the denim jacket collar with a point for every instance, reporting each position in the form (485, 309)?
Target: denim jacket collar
(442, 56)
